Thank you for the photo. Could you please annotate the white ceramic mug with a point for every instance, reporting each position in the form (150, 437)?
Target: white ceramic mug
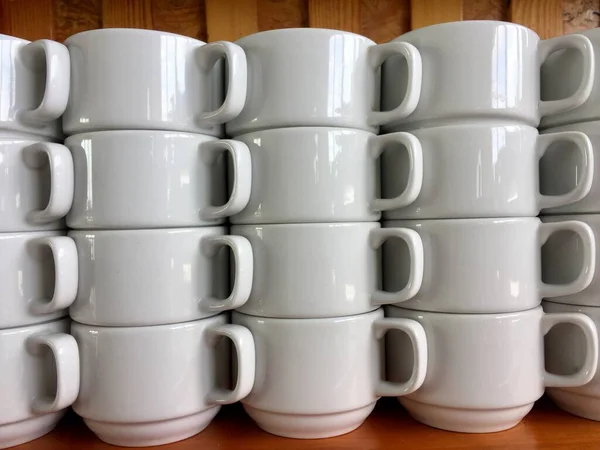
(145, 386)
(565, 353)
(144, 79)
(483, 170)
(38, 277)
(320, 174)
(318, 77)
(158, 276)
(35, 86)
(319, 378)
(39, 378)
(484, 265)
(485, 371)
(497, 78)
(36, 184)
(561, 260)
(155, 179)
(561, 169)
(562, 73)
(315, 270)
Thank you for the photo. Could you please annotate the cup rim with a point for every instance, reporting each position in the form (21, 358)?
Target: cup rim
(325, 31)
(317, 225)
(204, 322)
(287, 321)
(129, 31)
(477, 316)
(467, 221)
(144, 133)
(33, 326)
(147, 231)
(464, 24)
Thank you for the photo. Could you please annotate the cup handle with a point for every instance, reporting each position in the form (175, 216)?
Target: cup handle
(246, 363)
(237, 79)
(415, 279)
(585, 277)
(585, 179)
(581, 95)
(415, 177)
(242, 177)
(66, 356)
(58, 78)
(66, 275)
(61, 180)
(377, 56)
(418, 339)
(588, 369)
(244, 268)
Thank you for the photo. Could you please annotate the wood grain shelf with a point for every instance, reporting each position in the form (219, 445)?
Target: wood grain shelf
(389, 427)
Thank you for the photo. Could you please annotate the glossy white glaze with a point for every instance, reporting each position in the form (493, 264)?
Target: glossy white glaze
(319, 378)
(484, 265)
(162, 276)
(318, 77)
(38, 277)
(145, 79)
(323, 269)
(154, 179)
(485, 169)
(145, 386)
(497, 78)
(29, 377)
(484, 371)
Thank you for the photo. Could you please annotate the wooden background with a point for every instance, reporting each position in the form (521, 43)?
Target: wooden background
(211, 20)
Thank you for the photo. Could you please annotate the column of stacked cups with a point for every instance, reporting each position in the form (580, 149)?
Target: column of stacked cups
(38, 263)
(310, 121)
(145, 113)
(476, 214)
(561, 170)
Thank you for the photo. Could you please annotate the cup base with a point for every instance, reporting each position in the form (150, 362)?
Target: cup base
(27, 430)
(466, 420)
(309, 426)
(150, 434)
(579, 405)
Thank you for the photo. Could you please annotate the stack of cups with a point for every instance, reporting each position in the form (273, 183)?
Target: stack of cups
(561, 170)
(310, 122)
(38, 263)
(480, 299)
(144, 115)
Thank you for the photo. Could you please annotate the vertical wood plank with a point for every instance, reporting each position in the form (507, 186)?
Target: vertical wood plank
(545, 17)
(335, 14)
(186, 17)
(485, 10)
(579, 15)
(273, 14)
(429, 12)
(228, 22)
(74, 16)
(127, 14)
(27, 19)
(384, 20)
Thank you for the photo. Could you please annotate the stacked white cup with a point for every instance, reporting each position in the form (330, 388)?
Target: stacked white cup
(476, 214)
(38, 263)
(561, 169)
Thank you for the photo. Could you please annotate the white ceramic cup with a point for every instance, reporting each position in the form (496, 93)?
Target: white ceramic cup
(316, 270)
(562, 73)
(145, 79)
(35, 86)
(318, 77)
(160, 276)
(145, 386)
(485, 371)
(497, 78)
(38, 277)
(561, 169)
(318, 378)
(483, 170)
(155, 179)
(36, 183)
(484, 265)
(562, 257)
(565, 353)
(39, 378)
(321, 174)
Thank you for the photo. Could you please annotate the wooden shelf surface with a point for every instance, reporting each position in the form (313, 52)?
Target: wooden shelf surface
(389, 427)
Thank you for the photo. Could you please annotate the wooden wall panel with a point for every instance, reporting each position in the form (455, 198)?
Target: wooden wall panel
(429, 12)
(384, 20)
(74, 16)
(127, 14)
(231, 20)
(545, 17)
(27, 19)
(274, 14)
(336, 14)
(185, 17)
(485, 10)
